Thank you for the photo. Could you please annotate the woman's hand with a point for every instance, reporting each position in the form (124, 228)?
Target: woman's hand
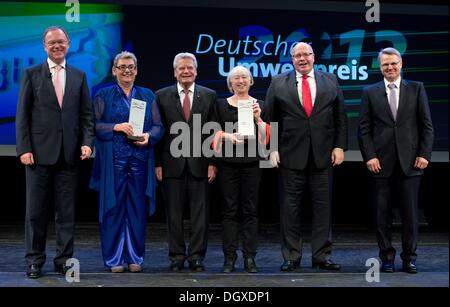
(232, 137)
(124, 127)
(144, 142)
(256, 111)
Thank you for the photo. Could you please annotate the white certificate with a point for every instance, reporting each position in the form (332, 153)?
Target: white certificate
(137, 116)
(246, 124)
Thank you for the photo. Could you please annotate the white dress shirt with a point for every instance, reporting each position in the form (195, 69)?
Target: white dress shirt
(62, 72)
(312, 85)
(182, 94)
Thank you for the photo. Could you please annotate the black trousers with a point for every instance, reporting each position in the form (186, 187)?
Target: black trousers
(384, 191)
(239, 183)
(60, 182)
(293, 184)
(193, 191)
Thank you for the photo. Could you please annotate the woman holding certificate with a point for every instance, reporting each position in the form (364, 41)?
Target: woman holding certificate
(127, 126)
(236, 147)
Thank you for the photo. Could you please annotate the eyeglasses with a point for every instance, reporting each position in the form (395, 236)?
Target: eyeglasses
(59, 42)
(125, 67)
(299, 55)
(393, 64)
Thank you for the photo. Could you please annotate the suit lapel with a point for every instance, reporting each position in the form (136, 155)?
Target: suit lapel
(382, 97)
(292, 85)
(68, 85)
(403, 98)
(176, 100)
(196, 103)
(320, 85)
(47, 83)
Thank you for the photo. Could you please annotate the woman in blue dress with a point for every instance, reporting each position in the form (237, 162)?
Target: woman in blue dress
(123, 171)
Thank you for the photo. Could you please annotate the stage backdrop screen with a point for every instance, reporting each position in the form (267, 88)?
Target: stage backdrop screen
(344, 44)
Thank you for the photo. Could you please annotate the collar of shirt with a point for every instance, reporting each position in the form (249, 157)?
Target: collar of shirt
(396, 82)
(299, 75)
(181, 89)
(52, 64)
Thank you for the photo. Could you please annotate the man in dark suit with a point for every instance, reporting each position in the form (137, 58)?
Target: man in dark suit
(185, 178)
(54, 129)
(396, 140)
(309, 108)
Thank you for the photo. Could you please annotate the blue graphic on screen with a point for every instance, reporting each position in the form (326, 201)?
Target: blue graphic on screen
(93, 43)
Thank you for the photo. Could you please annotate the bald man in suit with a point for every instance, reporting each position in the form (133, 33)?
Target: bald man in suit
(309, 108)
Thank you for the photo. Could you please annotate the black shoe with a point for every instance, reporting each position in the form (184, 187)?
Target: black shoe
(290, 265)
(176, 265)
(410, 267)
(327, 265)
(250, 265)
(388, 267)
(196, 265)
(61, 269)
(34, 271)
(228, 265)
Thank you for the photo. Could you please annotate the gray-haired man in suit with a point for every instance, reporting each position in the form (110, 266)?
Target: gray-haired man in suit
(396, 141)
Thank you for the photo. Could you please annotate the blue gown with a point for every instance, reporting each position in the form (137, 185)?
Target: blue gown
(123, 174)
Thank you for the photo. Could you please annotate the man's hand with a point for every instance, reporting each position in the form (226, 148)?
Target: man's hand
(373, 165)
(27, 158)
(212, 171)
(85, 152)
(158, 173)
(337, 156)
(274, 158)
(421, 163)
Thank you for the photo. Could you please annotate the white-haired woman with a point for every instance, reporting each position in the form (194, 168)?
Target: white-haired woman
(239, 173)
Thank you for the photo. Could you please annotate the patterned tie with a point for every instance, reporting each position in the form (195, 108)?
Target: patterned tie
(186, 105)
(393, 99)
(306, 96)
(57, 85)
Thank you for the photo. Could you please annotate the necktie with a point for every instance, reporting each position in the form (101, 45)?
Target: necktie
(186, 105)
(306, 96)
(57, 85)
(393, 99)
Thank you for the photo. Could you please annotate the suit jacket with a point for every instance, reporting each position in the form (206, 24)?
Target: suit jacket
(42, 127)
(299, 135)
(408, 137)
(203, 104)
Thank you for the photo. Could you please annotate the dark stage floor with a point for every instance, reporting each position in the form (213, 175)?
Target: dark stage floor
(353, 246)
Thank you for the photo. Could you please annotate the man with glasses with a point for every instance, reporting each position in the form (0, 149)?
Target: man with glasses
(396, 140)
(309, 108)
(123, 171)
(54, 130)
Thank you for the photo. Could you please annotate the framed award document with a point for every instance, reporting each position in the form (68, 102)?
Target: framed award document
(136, 119)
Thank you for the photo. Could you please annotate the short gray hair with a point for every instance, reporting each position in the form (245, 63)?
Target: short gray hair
(184, 55)
(125, 55)
(389, 51)
(236, 70)
(54, 28)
